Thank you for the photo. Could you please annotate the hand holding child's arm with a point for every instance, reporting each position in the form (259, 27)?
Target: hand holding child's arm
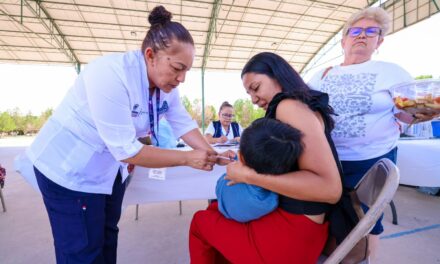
(237, 172)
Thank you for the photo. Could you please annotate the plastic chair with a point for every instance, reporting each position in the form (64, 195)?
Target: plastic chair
(376, 190)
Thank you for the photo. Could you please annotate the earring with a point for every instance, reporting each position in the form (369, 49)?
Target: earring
(377, 51)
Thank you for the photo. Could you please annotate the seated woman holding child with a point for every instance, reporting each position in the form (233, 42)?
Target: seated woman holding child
(296, 231)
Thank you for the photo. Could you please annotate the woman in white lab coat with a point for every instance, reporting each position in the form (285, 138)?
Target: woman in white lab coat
(81, 153)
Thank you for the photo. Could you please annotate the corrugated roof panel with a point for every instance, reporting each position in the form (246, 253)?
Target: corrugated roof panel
(318, 38)
(275, 31)
(245, 41)
(295, 8)
(242, 54)
(112, 46)
(53, 30)
(234, 64)
(219, 52)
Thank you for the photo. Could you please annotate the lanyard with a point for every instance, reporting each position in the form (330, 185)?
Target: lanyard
(151, 114)
(227, 131)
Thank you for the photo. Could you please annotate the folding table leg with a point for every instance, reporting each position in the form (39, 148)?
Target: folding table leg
(3, 200)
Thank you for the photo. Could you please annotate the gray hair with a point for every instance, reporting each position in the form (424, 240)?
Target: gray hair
(378, 14)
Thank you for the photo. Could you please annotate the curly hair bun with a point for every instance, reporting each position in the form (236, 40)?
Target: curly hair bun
(159, 16)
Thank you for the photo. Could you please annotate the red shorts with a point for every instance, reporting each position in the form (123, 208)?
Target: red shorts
(279, 237)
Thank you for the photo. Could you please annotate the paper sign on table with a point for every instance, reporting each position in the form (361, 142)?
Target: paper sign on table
(157, 174)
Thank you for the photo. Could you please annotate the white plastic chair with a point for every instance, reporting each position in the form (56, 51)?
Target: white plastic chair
(376, 190)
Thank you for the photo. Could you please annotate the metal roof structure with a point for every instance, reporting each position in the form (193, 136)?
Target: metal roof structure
(226, 33)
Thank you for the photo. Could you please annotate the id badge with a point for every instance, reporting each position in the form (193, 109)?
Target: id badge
(157, 174)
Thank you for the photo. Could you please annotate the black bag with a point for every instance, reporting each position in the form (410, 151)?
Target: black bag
(346, 214)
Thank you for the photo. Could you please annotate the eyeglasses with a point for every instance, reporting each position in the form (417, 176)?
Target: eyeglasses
(369, 31)
(228, 115)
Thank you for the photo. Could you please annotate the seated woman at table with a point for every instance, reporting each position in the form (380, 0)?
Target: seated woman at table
(224, 129)
(269, 147)
(296, 231)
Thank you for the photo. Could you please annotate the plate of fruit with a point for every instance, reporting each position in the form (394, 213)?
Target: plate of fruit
(418, 97)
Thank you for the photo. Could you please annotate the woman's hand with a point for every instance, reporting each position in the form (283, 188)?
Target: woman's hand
(416, 118)
(226, 157)
(222, 139)
(422, 117)
(237, 172)
(201, 159)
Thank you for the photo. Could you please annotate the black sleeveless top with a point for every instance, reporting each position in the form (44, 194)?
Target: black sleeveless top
(342, 215)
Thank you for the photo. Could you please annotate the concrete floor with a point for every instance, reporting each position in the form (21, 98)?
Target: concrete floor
(161, 234)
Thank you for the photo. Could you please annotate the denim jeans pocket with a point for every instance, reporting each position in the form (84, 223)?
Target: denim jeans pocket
(67, 219)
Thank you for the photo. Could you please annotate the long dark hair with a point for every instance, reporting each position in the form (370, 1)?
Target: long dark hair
(277, 68)
(270, 146)
(291, 83)
(163, 30)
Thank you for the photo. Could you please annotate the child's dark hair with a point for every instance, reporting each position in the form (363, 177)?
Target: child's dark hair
(163, 31)
(270, 146)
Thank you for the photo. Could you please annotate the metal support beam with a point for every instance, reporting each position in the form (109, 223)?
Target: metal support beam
(436, 5)
(49, 23)
(21, 12)
(322, 53)
(78, 68)
(212, 28)
(404, 14)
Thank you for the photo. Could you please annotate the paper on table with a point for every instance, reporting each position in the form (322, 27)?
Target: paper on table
(228, 143)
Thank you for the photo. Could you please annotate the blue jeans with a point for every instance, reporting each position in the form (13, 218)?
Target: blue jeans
(84, 225)
(353, 172)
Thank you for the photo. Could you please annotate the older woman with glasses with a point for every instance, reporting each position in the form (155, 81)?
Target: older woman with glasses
(360, 92)
(224, 129)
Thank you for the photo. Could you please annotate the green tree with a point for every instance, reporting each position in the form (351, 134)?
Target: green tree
(258, 113)
(19, 120)
(187, 104)
(238, 110)
(246, 112)
(196, 114)
(210, 114)
(197, 111)
(420, 77)
(43, 118)
(29, 123)
(7, 123)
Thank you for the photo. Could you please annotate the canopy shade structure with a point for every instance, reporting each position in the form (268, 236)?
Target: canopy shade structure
(226, 33)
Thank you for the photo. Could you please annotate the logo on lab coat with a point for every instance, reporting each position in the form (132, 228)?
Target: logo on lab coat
(136, 111)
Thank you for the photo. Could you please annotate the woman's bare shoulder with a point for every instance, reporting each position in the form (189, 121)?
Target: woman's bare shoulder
(298, 115)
